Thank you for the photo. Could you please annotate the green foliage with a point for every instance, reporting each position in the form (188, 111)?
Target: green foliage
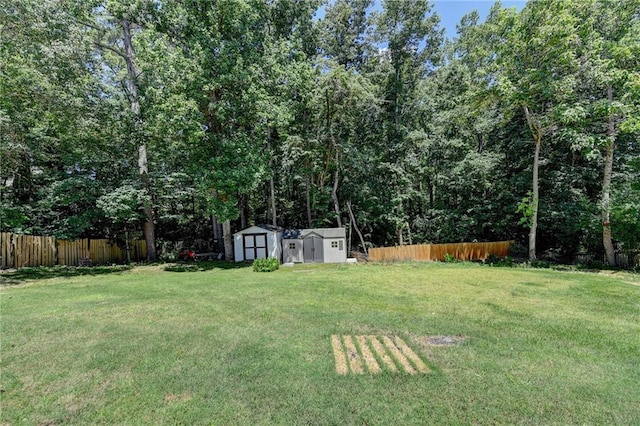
(182, 268)
(625, 213)
(266, 265)
(526, 209)
(594, 265)
(449, 258)
(242, 93)
(13, 219)
(123, 205)
(542, 264)
(494, 260)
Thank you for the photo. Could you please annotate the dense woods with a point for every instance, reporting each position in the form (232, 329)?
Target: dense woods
(180, 120)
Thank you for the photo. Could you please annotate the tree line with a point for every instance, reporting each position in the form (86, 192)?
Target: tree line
(175, 120)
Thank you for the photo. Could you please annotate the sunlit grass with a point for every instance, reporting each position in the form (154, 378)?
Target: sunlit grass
(231, 346)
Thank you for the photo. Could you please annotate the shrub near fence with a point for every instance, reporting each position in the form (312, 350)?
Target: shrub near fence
(432, 252)
(19, 251)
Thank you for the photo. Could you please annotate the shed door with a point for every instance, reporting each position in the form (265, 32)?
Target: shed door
(313, 249)
(255, 246)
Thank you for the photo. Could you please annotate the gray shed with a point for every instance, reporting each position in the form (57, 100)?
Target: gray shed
(292, 251)
(257, 242)
(319, 245)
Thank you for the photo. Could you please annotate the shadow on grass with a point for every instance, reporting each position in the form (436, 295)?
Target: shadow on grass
(38, 273)
(205, 266)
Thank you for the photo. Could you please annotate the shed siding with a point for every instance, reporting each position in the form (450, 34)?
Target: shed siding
(335, 253)
(246, 240)
(292, 251)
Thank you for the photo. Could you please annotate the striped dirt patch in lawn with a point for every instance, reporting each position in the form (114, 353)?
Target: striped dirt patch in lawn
(394, 354)
(411, 355)
(379, 349)
(352, 355)
(367, 355)
(338, 354)
(395, 351)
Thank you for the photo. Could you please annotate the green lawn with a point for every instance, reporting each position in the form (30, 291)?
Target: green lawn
(232, 346)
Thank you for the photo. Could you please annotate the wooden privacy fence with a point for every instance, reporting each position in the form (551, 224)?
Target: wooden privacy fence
(20, 251)
(426, 252)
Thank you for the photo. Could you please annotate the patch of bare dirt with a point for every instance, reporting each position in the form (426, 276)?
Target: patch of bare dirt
(443, 340)
(183, 397)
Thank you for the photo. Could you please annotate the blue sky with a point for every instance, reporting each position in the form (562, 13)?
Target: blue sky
(451, 11)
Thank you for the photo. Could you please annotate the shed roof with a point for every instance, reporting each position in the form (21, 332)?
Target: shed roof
(259, 229)
(326, 232)
(292, 234)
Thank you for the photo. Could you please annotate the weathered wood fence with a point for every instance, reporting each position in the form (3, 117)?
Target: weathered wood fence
(426, 252)
(19, 251)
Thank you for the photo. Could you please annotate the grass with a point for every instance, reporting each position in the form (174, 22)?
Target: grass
(17, 276)
(231, 346)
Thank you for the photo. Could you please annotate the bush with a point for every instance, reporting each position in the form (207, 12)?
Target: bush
(495, 260)
(266, 265)
(182, 268)
(541, 264)
(518, 251)
(449, 258)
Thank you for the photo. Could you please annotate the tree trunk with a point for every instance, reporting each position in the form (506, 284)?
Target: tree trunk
(536, 194)
(148, 227)
(334, 194)
(243, 211)
(132, 86)
(217, 234)
(308, 196)
(127, 247)
(272, 186)
(228, 240)
(606, 187)
(537, 132)
(355, 227)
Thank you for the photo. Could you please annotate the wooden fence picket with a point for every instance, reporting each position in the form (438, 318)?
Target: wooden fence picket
(5, 249)
(432, 252)
(18, 251)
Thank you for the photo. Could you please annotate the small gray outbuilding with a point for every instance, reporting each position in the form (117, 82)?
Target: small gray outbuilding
(318, 245)
(257, 242)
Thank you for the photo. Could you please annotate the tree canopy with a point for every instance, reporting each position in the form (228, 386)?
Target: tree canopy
(175, 119)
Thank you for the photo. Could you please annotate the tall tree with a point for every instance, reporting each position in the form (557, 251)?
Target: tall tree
(139, 67)
(113, 31)
(49, 121)
(344, 32)
(610, 65)
(539, 64)
(411, 32)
